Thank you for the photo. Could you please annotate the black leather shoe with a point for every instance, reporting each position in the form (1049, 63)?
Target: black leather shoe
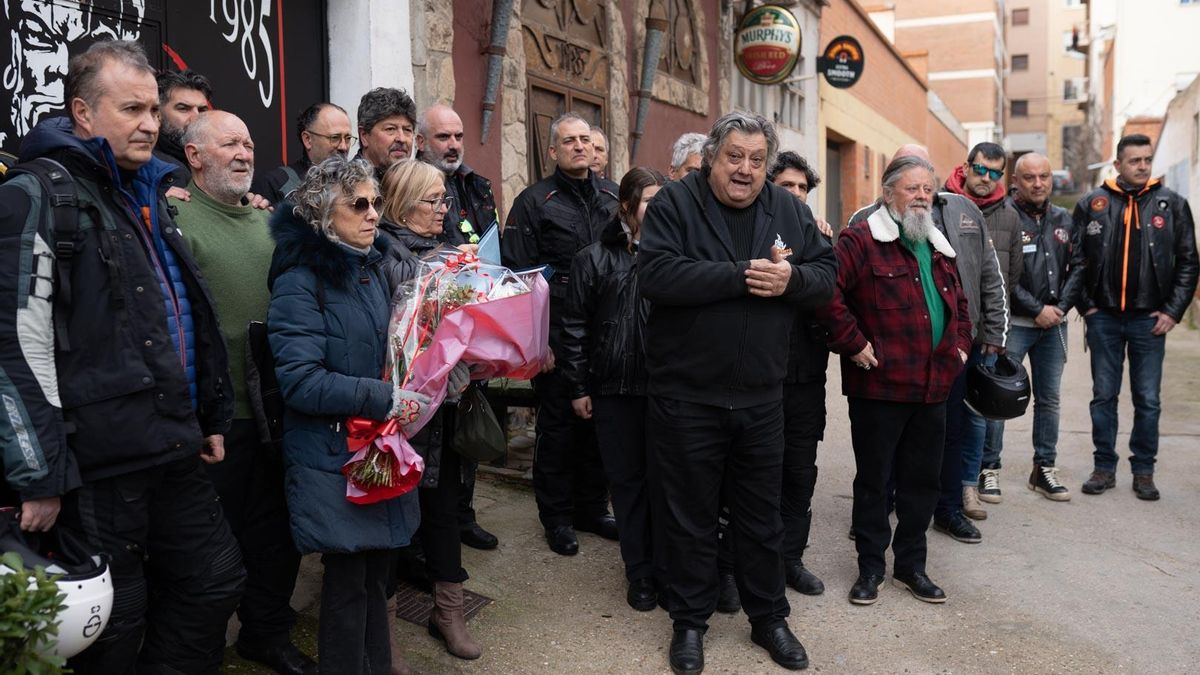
(728, 602)
(799, 578)
(920, 586)
(865, 590)
(687, 652)
(562, 540)
(642, 595)
(958, 528)
(604, 526)
(476, 537)
(283, 658)
(783, 647)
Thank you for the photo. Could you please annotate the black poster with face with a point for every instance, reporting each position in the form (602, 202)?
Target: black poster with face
(266, 59)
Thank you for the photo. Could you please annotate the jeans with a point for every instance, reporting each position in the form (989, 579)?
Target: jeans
(974, 429)
(1047, 350)
(1109, 336)
(962, 443)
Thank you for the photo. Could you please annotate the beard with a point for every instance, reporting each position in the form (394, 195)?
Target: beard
(446, 166)
(916, 224)
(223, 184)
(171, 132)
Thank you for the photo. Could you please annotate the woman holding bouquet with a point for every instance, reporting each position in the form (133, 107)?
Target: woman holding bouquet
(327, 322)
(414, 205)
(604, 362)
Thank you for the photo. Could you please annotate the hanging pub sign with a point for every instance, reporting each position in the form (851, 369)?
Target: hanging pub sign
(842, 62)
(767, 44)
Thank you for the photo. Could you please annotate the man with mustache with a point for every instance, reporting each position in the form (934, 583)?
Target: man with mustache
(550, 222)
(386, 120)
(899, 319)
(324, 130)
(472, 213)
(109, 337)
(182, 96)
(233, 249)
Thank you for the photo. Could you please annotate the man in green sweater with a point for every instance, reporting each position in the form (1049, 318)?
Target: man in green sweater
(233, 247)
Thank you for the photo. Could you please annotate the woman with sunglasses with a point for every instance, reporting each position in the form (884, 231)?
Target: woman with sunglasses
(414, 206)
(327, 323)
(603, 359)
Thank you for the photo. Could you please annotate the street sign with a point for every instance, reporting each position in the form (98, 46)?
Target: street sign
(841, 62)
(767, 44)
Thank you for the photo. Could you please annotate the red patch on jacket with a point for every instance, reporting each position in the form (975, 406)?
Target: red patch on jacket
(1158, 222)
(1099, 203)
(1061, 235)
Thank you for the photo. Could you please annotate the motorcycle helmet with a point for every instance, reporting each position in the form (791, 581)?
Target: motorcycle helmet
(82, 576)
(999, 391)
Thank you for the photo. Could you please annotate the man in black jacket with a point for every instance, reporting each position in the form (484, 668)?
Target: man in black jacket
(109, 337)
(1048, 287)
(386, 120)
(550, 222)
(182, 96)
(1139, 244)
(726, 261)
(323, 129)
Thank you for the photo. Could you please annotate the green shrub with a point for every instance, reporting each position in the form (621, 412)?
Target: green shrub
(29, 606)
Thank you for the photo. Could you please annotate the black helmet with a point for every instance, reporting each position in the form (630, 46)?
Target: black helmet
(1000, 391)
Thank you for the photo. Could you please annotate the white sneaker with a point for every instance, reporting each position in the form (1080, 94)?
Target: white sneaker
(989, 486)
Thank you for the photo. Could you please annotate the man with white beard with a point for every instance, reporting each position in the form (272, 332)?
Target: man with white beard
(233, 248)
(902, 345)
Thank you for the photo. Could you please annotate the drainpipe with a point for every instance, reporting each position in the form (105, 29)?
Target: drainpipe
(501, 14)
(655, 30)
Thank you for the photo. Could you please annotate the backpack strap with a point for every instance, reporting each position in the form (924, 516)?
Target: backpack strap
(61, 197)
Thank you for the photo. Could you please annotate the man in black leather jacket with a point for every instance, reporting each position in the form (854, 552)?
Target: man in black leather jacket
(549, 223)
(1139, 242)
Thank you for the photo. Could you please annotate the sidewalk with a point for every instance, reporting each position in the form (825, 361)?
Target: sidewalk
(1100, 584)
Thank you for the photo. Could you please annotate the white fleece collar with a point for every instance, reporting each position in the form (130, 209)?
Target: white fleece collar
(884, 229)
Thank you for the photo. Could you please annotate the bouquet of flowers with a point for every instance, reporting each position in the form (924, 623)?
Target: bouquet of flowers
(457, 308)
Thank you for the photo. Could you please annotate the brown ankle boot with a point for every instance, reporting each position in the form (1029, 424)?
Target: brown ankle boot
(447, 623)
(399, 666)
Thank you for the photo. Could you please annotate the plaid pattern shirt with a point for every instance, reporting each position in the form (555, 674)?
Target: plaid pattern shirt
(879, 299)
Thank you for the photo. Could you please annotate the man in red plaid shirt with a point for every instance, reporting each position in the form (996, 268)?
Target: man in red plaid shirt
(899, 319)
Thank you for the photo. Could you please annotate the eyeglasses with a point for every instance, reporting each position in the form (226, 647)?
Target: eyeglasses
(981, 170)
(435, 203)
(335, 139)
(361, 204)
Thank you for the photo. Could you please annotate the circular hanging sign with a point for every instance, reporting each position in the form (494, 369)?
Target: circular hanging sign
(842, 62)
(767, 44)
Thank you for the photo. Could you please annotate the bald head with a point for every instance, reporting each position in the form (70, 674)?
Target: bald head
(221, 155)
(1032, 178)
(440, 138)
(912, 150)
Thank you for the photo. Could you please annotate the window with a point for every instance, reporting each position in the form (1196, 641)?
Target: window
(1020, 17)
(1074, 3)
(1020, 62)
(1196, 138)
(1070, 92)
(1072, 143)
(1069, 42)
(1020, 108)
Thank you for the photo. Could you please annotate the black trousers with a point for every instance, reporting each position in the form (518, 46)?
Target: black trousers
(250, 484)
(466, 494)
(439, 518)
(803, 428)
(621, 433)
(568, 476)
(903, 440)
(950, 495)
(704, 451)
(176, 568)
(352, 636)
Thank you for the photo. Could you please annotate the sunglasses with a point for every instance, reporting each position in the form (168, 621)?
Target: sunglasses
(361, 204)
(981, 170)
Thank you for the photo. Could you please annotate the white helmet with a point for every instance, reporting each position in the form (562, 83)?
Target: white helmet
(82, 577)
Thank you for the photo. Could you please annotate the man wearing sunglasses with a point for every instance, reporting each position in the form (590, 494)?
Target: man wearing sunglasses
(323, 130)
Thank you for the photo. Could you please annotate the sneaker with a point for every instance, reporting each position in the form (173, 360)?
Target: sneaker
(1044, 479)
(971, 506)
(958, 528)
(989, 486)
(1099, 481)
(1143, 486)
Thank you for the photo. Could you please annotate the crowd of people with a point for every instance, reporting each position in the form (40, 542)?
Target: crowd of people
(181, 344)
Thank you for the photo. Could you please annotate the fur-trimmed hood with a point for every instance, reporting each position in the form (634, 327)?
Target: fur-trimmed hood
(884, 229)
(297, 244)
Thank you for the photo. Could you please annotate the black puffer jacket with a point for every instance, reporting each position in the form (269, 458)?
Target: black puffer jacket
(1167, 239)
(603, 349)
(1053, 258)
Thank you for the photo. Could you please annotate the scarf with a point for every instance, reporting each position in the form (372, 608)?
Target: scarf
(956, 183)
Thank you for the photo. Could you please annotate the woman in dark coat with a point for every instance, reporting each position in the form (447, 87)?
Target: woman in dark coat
(414, 206)
(327, 322)
(604, 360)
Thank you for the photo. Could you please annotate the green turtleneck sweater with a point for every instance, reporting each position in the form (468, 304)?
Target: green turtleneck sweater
(233, 246)
(937, 309)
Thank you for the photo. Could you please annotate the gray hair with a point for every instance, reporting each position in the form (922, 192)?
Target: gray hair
(383, 102)
(318, 193)
(83, 70)
(746, 123)
(565, 117)
(897, 167)
(688, 144)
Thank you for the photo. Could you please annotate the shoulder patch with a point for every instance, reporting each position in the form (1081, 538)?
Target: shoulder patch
(967, 223)
(1099, 203)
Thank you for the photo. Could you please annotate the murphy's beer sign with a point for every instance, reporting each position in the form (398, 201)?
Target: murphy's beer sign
(767, 44)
